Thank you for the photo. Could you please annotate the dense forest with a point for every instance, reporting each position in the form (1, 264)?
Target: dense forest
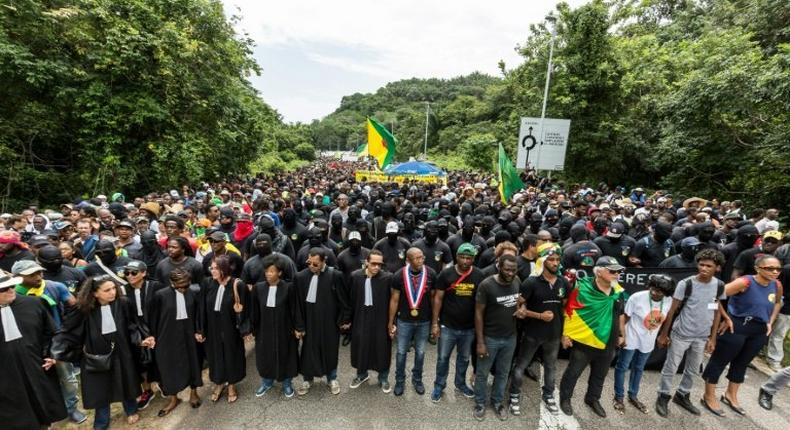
(688, 95)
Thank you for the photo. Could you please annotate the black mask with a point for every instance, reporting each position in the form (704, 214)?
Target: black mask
(662, 231)
(355, 245)
(392, 238)
(688, 252)
(263, 245)
(50, 258)
(105, 251)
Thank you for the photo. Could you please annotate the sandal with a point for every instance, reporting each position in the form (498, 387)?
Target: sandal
(637, 404)
(165, 411)
(217, 394)
(619, 406)
(739, 410)
(232, 395)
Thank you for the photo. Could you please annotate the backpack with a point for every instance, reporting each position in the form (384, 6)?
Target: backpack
(687, 294)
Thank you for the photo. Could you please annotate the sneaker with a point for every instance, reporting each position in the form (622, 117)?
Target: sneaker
(357, 381)
(565, 406)
(551, 405)
(436, 395)
(398, 389)
(145, 399)
(334, 387)
(78, 417)
(662, 403)
(466, 391)
(515, 409)
(418, 387)
(479, 412)
(501, 412)
(684, 402)
(303, 389)
(263, 389)
(385, 387)
(288, 390)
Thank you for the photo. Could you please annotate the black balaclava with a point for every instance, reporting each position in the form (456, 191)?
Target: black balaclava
(579, 232)
(354, 213)
(148, 240)
(487, 225)
(687, 252)
(387, 210)
(468, 230)
(315, 237)
(552, 217)
(263, 245)
(746, 236)
(501, 236)
(535, 221)
(408, 222)
(431, 232)
(266, 225)
(289, 218)
(105, 251)
(705, 231)
(444, 228)
(504, 218)
(336, 222)
(323, 227)
(662, 231)
(50, 258)
(565, 227)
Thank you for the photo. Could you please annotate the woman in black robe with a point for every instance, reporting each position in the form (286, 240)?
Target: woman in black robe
(277, 326)
(371, 345)
(174, 326)
(105, 323)
(29, 388)
(219, 325)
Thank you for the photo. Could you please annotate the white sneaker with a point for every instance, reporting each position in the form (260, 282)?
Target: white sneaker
(303, 389)
(334, 387)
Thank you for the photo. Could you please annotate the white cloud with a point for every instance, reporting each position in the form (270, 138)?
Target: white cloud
(388, 41)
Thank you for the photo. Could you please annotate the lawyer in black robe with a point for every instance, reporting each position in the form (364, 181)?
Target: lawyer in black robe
(276, 346)
(371, 346)
(29, 395)
(224, 344)
(322, 318)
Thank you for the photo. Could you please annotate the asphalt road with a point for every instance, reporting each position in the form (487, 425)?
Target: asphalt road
(367, 407)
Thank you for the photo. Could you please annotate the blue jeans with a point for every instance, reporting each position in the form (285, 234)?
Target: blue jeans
(450, 338)
(407, 330)
(101, 420)
(384, 375)
(500, 353)
(68, 385)
(331, 376)
(629, 359)
(270, 382)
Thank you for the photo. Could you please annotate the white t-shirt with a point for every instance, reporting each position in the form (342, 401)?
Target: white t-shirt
(645, 320)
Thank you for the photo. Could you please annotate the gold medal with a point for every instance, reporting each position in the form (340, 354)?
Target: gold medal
(415, 312)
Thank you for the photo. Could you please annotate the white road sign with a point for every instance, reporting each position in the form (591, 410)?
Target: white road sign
(547, 156)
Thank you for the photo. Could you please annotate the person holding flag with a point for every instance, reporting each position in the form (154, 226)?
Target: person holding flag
(594, 326)
(509, 180)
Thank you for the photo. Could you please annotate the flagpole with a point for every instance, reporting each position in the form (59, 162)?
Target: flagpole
(551, 19)
(425, 147)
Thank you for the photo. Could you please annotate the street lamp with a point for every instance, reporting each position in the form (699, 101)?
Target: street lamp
(550, 19)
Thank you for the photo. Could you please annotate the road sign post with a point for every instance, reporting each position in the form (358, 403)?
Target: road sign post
(543, 149)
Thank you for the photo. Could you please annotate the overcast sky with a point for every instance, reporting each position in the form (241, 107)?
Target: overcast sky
(315, 52)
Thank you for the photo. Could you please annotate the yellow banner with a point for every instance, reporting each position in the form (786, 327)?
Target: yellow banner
(372, 176)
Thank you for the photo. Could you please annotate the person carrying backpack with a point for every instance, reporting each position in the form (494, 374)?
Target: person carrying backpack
(695, 309)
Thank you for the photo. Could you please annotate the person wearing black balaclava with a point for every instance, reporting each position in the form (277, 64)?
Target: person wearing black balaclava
(363, 227)
(487, 227)
(704, 232)
(252, 272)
(437, 253)
(410, 231)
(315, 239)
(488, 257)
(444, 229)
(468, 235)
(551, 219)
(227, 220)
(393, 248)
(293, 229)
(689, 247)
(50, 258)
(353, 257)
(105, 252)
(582, 253)
(150, 252)
(280, 242)
(503, 220)
(354, 216)
(323, 226)
(564, 228)
(380, 222)
(652, 250)
(745, 238)
(535, 222)
(615, 243)
(336, 231)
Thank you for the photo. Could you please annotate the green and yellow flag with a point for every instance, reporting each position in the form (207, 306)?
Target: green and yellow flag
(588, 313)
(362, 150)
(509, 181)
(381, 143)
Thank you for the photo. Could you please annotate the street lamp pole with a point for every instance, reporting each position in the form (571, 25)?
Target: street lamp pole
(425, 145)
(551, 20)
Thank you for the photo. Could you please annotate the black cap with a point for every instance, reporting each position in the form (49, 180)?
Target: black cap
(136, 265)
(39, 239)
(126, 223)
(610, 263)
(217, 236)
(616, 230)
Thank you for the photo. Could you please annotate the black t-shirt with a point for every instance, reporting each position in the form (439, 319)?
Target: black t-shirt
(581, 256)
(651, 253)
(745, 260)
(189, 264)
(348, 262)
(458, 305)
(500, 302)
(70, 277)
(730, 252)
(424, 306)
(394, 255)
(619, 249)
(524, 267)
(540, 297)
(784, 278)
(437, 256)
(7, 262)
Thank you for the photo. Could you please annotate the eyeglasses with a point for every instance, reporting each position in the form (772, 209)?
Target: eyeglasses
(615, 272)
(131, 272)
(5, 289)
(771, 269)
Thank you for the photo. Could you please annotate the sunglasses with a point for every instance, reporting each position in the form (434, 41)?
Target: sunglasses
(615, 272)
(4, 289)
(131, 272)
(771, 269)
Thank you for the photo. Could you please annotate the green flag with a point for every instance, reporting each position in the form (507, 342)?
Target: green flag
(509, 181)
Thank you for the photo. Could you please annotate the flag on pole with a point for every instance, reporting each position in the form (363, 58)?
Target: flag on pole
(381, 143)
(509, 181)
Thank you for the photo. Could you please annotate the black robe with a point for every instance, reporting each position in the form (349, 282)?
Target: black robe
(147, 291)
(276, 347)
(176, 351)
(371, 346)
(29, 396)
(320, 345)
(122, 381)
(224, 344)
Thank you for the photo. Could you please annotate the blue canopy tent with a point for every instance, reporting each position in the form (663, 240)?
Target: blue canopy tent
(414, 168)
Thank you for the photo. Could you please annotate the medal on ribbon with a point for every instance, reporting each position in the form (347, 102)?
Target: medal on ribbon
(414, 297)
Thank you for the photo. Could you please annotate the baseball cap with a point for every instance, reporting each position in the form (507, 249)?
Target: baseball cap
(354, 235)
(467, 249)
(616, 230)
(26, 267)
(689, 241)
(39, 239)
(217, 236)
(392, 227)
(136, 265)
(608, 262)
(773, 234)
(125, 223)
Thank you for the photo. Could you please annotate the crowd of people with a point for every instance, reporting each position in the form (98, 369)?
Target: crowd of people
(108, 299)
